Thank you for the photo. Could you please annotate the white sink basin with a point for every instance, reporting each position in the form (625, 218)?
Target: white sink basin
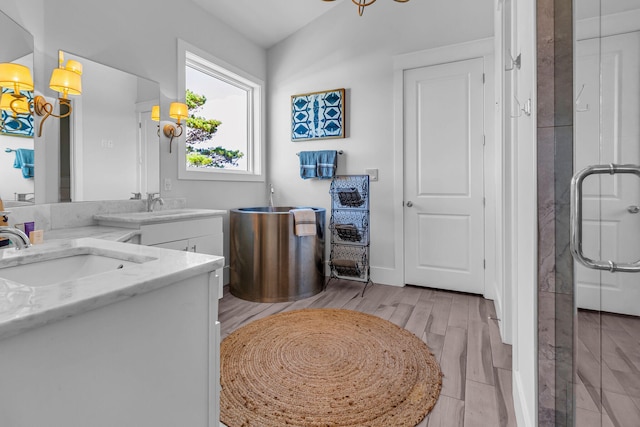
(65, 266)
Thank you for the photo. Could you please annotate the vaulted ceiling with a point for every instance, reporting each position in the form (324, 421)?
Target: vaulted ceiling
(266, 22)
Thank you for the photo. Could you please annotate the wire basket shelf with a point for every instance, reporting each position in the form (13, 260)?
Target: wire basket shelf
(350, 262)
(350, 227)
(350, 192)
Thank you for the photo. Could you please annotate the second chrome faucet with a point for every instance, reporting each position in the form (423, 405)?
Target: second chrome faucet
(152, 199)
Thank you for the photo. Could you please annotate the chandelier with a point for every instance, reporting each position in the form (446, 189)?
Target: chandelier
(364, 3)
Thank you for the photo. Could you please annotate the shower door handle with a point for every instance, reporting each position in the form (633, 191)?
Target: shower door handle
(576, 217)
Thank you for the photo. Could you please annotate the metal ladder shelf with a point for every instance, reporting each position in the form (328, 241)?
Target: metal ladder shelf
(349, 259)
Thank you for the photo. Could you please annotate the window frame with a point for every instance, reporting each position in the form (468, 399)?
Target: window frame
(189, 55)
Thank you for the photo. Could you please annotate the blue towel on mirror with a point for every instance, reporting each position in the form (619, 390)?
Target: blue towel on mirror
(24, 161)
(308, 164)
(327, 163)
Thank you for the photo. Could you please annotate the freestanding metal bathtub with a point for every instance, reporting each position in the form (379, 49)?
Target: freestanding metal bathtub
(269, 263)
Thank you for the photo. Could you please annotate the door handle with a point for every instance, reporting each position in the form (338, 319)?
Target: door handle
(409, 204)
(576, 217)
(633, 209)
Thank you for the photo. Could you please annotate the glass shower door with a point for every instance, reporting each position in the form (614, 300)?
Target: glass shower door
(606, 212)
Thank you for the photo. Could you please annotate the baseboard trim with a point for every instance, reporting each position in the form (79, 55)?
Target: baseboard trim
(521, 408)
(387, 276)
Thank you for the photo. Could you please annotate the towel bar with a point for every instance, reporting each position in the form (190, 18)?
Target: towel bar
(339, 152)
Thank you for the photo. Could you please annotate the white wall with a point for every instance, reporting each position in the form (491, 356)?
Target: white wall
(523, 200)
(11, 179)
(109, 133)
(344, 50)
(141, 38)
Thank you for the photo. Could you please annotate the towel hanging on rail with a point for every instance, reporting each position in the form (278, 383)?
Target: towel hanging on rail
(308, 165)
(24, 161)
(327, 164)
(318, 164)
(304, 221)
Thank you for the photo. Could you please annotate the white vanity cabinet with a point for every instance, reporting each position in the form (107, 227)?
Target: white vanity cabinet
(190, 230)
(193, 235)
(132, 346)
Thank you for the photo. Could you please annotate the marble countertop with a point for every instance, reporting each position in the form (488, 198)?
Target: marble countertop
(116, 234)
(25, 307)
(135, 219)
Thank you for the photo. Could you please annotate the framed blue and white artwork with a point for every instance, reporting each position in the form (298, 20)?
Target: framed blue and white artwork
(317, 115)
(22, 123)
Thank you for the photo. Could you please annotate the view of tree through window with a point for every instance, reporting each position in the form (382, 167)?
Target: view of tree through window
(218, 125)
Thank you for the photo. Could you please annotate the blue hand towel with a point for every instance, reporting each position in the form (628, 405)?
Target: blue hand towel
(327, 163)
(24, 161)
(308, 164)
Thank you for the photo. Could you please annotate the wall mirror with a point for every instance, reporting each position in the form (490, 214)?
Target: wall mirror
(110, 140)
(16, 176)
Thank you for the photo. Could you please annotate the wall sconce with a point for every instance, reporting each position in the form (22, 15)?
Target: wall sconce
(178, 111)
(66, 79)
(14, 105)
(16, 77)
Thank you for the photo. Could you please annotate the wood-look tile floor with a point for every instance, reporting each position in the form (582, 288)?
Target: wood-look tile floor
(460, 329)
(608, 359)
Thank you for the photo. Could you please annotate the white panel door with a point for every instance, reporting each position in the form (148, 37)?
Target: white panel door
(607, 131)
(444, 211)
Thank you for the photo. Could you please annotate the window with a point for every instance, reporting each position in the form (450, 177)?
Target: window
(224, 135)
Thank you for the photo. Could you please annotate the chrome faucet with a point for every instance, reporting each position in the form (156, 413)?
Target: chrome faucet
(271, 191)
(19, 239)
(152, 199)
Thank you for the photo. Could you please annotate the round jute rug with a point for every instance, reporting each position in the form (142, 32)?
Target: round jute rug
(326, 367)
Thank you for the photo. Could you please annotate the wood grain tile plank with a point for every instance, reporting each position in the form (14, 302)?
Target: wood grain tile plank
(500, 352)
(448, 412)
(589, 335)
(385, 311)
(478, 310)
(480, 408)
(610, 381)
(402, 314)
(453, 363)
(374, 297)
(621, 409)
(636, 400)
(410, 294)
(630, 382)
(439, 316)
(459, 313)
(343, 292)
(589, 371)
(417, 322)
(625, 347)
(504, 398)
(479, 360)
(585, 418)
(435, 343)
(632, 326)
(584, 399)
(613, 322)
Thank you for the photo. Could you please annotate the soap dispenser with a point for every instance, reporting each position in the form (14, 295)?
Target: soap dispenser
(3, 222)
